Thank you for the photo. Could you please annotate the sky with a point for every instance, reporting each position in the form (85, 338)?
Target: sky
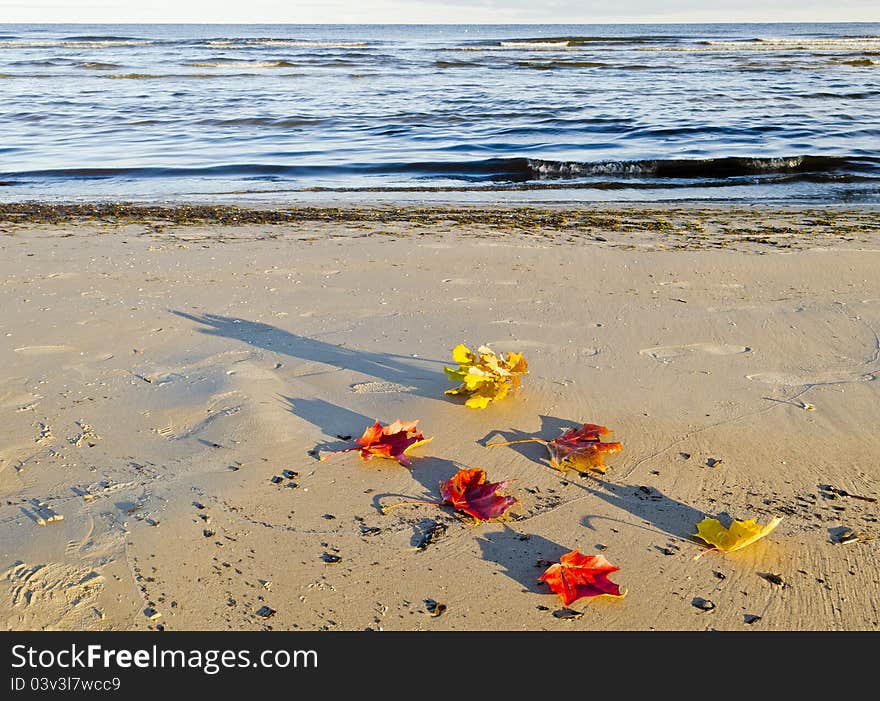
(436, 11)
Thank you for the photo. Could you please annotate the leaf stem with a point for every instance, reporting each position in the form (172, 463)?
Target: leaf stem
(703, 552)
(524, 440)
(386, 509)
(337, 452)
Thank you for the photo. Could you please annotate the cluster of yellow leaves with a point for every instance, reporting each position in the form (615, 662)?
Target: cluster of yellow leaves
(484, 376)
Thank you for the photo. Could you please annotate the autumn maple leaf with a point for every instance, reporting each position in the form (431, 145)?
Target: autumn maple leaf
(582, 448)
(468, 491)
(392, 442)
(576, 576)
(739, 535)
(484, 376)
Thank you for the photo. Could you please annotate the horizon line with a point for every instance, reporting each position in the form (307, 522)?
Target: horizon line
(446, 24)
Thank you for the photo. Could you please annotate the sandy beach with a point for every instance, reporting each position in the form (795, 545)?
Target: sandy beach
(158, 367)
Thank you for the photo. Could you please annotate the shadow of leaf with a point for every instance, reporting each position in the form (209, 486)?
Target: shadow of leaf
(650, 505)
(524, 557)
(551, 427)
(430, 471)
(30, 514)
(333, 420)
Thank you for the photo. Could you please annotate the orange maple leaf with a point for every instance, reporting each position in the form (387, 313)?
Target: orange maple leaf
(391, 441)
(576, 576)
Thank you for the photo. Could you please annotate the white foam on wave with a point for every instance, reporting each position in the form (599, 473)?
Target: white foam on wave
(534, 44)
(242, 64)
(774, 164)
(571, 169)
(810, 42)
(514, 46)
(72, 43)
(236, 43)
(779, 44)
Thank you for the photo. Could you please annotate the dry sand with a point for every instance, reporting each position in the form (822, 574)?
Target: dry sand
(156, 374)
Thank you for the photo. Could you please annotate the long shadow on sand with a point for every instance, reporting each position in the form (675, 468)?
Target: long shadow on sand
(424, 518)
(648, 504)
(333, 420)
(523, 557)
(427, 471)
(430, 471)
(551, 427)
(388, 367)
(348, 426)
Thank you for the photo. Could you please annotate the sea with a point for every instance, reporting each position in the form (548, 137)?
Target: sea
(783, 113)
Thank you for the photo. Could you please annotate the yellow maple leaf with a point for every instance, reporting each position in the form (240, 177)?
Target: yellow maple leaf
(739, 535)
(462, 355)
(484, 376)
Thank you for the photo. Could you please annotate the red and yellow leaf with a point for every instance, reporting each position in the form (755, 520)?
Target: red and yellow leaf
(576, 576)
(392, 442)
(469, 492)
(582, 449)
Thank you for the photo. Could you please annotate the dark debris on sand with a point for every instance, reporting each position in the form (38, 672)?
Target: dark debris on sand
(681, 227)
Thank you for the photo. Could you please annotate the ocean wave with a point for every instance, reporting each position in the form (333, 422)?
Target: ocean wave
(857, 62)
(64, 62)
(813, 42)
(456, 64)
(560, 44)
(72, 44)
(240, 63)
(534, 44)
(165, 76)
(100, 42)
(233, 43)
(42, 62)
(543, 64)
(862, 95)
(29, 76)
(586, 40)
(551, 65)
(276, 122)
(819, 168)
(776, 45)
(98, 65)
(734, 166)
(102, 37)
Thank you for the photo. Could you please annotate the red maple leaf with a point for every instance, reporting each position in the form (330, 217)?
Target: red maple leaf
(582, 448)
(391, 441)
(576, 576)
(469, 492)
